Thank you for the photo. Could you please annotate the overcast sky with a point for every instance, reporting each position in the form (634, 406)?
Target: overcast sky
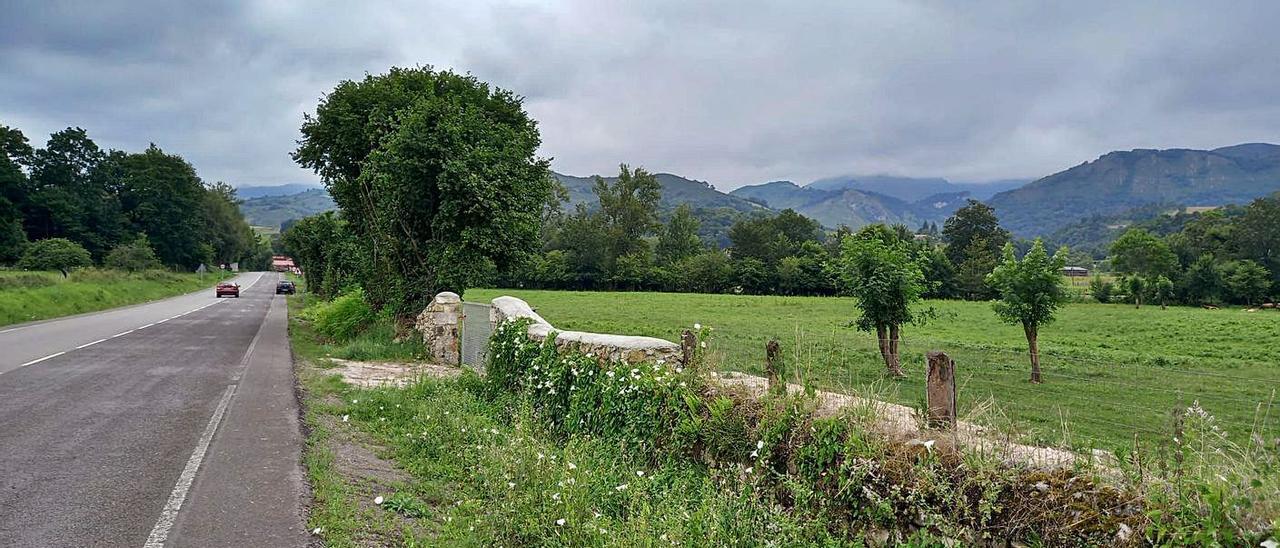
(734, 92)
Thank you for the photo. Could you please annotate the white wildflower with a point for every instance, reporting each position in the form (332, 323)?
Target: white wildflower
(573, 466)
(760, 444)
(750, 468)
(555, 496)
(315, 531)
(640, 473)
(560, 522)
(378, 499)
(622, 487)
(703, 344)
(511, 485)
(345, 418)
(697, 326)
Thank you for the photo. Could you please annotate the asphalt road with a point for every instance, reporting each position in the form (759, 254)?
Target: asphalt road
(172, 423)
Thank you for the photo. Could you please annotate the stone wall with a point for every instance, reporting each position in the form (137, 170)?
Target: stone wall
(613, 347)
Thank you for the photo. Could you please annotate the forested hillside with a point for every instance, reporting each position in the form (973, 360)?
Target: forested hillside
(1120, 181)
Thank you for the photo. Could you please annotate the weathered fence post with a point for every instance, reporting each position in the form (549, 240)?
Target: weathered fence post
(773, 366)
(940, 391)
(688, 345)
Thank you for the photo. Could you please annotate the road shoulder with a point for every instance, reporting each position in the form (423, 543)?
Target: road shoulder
(251, 491)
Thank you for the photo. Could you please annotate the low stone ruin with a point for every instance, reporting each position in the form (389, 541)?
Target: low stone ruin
(623, 348)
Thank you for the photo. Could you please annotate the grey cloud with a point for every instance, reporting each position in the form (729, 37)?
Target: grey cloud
(732, 92)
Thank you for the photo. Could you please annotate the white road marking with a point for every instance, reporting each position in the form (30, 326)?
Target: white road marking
(87, 345)
(38, 360)
(121, 334)
(160, 532)
(145, 326)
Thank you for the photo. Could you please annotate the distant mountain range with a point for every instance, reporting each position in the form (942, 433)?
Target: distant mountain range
(860, 200)
(676, 190)
(1120, 181)
(1102, 190)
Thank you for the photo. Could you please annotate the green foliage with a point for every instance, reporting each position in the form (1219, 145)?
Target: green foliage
(54, 254)
(679, 238)
(1139, 252)
(628, 211)
(974, 241)
(101, 200)
(1101, 290)
(133, 256)
(1031, 290)
(436, 174)
(327, 252)
(886, 279)
(343, 318)
(1245, 281)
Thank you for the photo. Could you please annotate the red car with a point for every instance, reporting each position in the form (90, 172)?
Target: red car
(227, 289)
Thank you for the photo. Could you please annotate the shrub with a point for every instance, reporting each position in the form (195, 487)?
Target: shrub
(1101, 290)
(344, 317)
(133, 256)
(54, 254)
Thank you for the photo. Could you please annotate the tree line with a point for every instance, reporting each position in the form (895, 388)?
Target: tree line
(72, 204)
(1230, 255)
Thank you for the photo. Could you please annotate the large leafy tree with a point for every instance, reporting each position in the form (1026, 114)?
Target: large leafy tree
(1031, 291)
(885, 276)
(974, 239)
(437, 175)
(70, 196)
(165, 200)
(1141, 253)
(1257, 235)
(679, 239)
(628, 213)
(14, 153)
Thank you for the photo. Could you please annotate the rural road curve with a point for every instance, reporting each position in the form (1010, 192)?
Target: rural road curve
(172, 423)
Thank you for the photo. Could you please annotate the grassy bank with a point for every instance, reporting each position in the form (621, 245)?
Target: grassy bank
(30, 296)
(1111, 371)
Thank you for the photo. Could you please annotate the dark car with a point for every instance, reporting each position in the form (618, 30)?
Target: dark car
(285, 287)
(227, 289)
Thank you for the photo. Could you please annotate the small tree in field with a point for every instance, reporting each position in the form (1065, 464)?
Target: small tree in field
(1031, 291)
(1136, 287)
(1163, 289)
(887, 280)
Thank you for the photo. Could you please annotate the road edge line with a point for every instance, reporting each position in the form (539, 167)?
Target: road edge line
(160, 533)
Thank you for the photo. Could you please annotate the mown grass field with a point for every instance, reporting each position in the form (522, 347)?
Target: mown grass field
(30, 296)
(1111, 371)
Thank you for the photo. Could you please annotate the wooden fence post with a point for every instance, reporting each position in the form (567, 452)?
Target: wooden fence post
(688, 345)
(773, 366)
(940, 391)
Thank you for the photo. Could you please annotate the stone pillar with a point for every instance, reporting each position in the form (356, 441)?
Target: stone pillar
(438, 324)
(940, 391)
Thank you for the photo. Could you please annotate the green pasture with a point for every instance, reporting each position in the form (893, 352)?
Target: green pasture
(1112, 372)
